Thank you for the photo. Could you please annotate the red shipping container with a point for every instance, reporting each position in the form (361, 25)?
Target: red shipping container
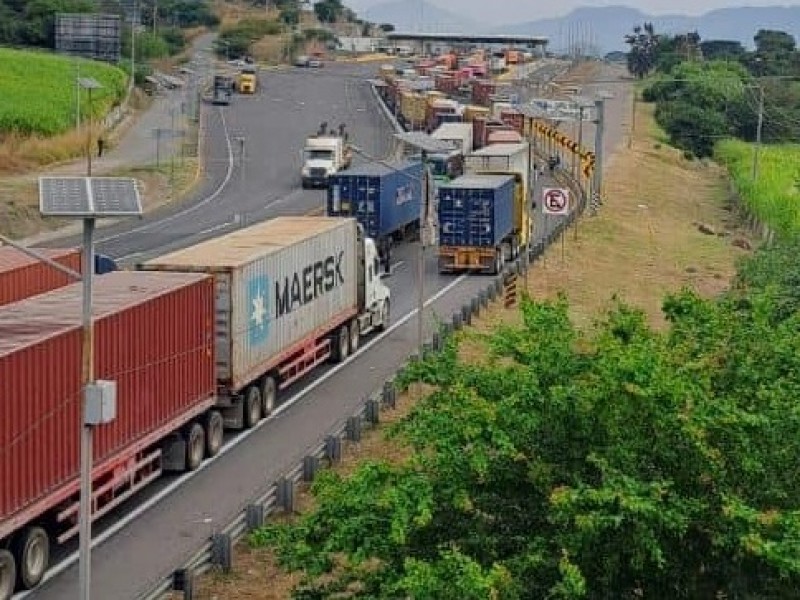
(503, 136)
(154, 336)
(22, 276)
(513, 119)
(482, 90)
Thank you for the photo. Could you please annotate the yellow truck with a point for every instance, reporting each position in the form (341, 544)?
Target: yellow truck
(247, 81)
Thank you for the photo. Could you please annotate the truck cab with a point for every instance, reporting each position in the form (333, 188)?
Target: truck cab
(374, 314)
(223, 86)
(324, 155)
(248, 80)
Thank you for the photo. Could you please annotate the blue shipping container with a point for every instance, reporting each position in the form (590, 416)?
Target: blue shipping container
(476, 210)
(382, 199)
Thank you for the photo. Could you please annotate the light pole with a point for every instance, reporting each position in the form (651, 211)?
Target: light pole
(88, 199)
(89, 84)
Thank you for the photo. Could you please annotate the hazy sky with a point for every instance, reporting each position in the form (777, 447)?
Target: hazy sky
(508, 11)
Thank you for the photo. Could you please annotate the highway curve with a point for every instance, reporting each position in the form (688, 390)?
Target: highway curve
(142, 542)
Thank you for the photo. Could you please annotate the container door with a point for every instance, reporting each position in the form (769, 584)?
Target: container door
(223, 325)
(480, 219)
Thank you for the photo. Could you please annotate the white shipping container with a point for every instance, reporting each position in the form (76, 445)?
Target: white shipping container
(458, 133)
(279, 284)
(501, 158)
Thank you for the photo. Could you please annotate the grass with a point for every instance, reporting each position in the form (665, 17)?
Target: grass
(637, 253)
(774, 198)
(39, 92)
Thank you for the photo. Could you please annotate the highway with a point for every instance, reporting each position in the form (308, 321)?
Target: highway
(161, 527)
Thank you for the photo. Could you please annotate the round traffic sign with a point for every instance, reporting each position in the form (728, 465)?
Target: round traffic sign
(555, 201)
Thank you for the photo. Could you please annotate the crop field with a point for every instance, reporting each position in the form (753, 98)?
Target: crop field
(38, 91)
(775, 197)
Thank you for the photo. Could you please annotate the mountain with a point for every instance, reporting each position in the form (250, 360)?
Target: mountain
(604, 28)
(416, 16)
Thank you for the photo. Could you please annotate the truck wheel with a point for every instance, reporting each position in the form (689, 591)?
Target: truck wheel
(341, 344)
(252, 406)
(384, 322)
(269, 394)
(8, 574)
(215, 433)
(32, 550)
(195, 446)
(355, 337)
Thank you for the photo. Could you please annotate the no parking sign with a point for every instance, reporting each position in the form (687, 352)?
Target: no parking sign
(555, 201)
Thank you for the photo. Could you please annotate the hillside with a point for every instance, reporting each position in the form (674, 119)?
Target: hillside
(607, 26)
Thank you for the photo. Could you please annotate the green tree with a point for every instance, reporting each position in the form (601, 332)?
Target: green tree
(643, 47)
(328, 11)
(722, 50)
(625, 463)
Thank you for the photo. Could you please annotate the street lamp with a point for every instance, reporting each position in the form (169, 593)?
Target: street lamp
(89, 84)
(89, 198)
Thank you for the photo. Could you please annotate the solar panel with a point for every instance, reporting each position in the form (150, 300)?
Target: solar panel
(424, 142)
(89, 197)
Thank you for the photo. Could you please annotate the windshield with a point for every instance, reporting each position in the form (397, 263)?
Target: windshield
(319, 155)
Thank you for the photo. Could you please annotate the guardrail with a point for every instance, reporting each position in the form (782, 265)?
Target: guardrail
(280, 495)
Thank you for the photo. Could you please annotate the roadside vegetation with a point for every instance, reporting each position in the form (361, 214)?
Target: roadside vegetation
(710, 97)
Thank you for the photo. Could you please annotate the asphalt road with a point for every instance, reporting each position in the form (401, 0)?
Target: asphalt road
(273, 124)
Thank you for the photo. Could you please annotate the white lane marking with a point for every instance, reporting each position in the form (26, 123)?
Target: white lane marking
(190, 236)
(194, 207)
(145, 506)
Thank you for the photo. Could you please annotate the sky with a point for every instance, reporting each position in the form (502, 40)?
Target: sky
(507, 11)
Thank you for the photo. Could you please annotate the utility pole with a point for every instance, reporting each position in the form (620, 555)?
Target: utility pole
(597, 183)
(759, 128)
(134, 22)
(426, 190)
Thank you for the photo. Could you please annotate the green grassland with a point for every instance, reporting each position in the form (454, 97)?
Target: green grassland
(38, 91)
(775, 197)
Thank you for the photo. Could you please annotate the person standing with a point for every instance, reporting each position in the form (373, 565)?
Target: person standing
(100, 146)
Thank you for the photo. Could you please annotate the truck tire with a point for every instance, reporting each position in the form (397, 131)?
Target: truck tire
(195, 446)
(215, 432)
(32, 551)
(8, 574)
(355, 336)
(340, 344)
(385, 315)
(252, 406)
(269, 394)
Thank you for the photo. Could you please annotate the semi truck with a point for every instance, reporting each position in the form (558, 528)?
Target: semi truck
(458, 134)
(477, 226)
(165, 396)
(324, 154)
(292, 293)
(385, 199)
(247, 81)
(211, 334)
(22, 276)
(222, 90)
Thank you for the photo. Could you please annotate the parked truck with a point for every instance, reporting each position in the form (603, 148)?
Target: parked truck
(22, 276)
(458, 134)
(385, 199)
(209, 335)
(292, 292)
(477, 226)
(222, 90)
(165, 400)
(325, 154)
(506, 158)
(247, 80)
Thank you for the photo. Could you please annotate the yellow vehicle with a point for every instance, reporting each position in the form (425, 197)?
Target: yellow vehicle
(247, 81)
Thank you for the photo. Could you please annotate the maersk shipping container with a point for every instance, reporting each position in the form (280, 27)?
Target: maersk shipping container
(384, 199)
(278, 283)
(153, 336)
(476, 210)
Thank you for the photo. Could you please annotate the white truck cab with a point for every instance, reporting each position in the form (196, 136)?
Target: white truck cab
(324, 154)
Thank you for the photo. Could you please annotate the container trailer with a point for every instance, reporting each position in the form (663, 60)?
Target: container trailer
(477, 223)
(154, 338)
(292, 293)
(22, 276)
(385, 199)
(459, 134)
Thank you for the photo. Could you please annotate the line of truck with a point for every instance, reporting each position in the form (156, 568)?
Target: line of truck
(197, 341)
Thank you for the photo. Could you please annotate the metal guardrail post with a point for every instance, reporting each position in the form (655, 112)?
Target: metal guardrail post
(254, 516)
(333, 448)
(373, 411)
(466, 314)
(183, 581)
(436, 341)
(222, 551)
(310, 468)
(389, 394)
(457, 321)
(286, 494)
(354, 429)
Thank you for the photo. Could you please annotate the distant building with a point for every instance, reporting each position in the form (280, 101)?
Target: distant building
(360, 44)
